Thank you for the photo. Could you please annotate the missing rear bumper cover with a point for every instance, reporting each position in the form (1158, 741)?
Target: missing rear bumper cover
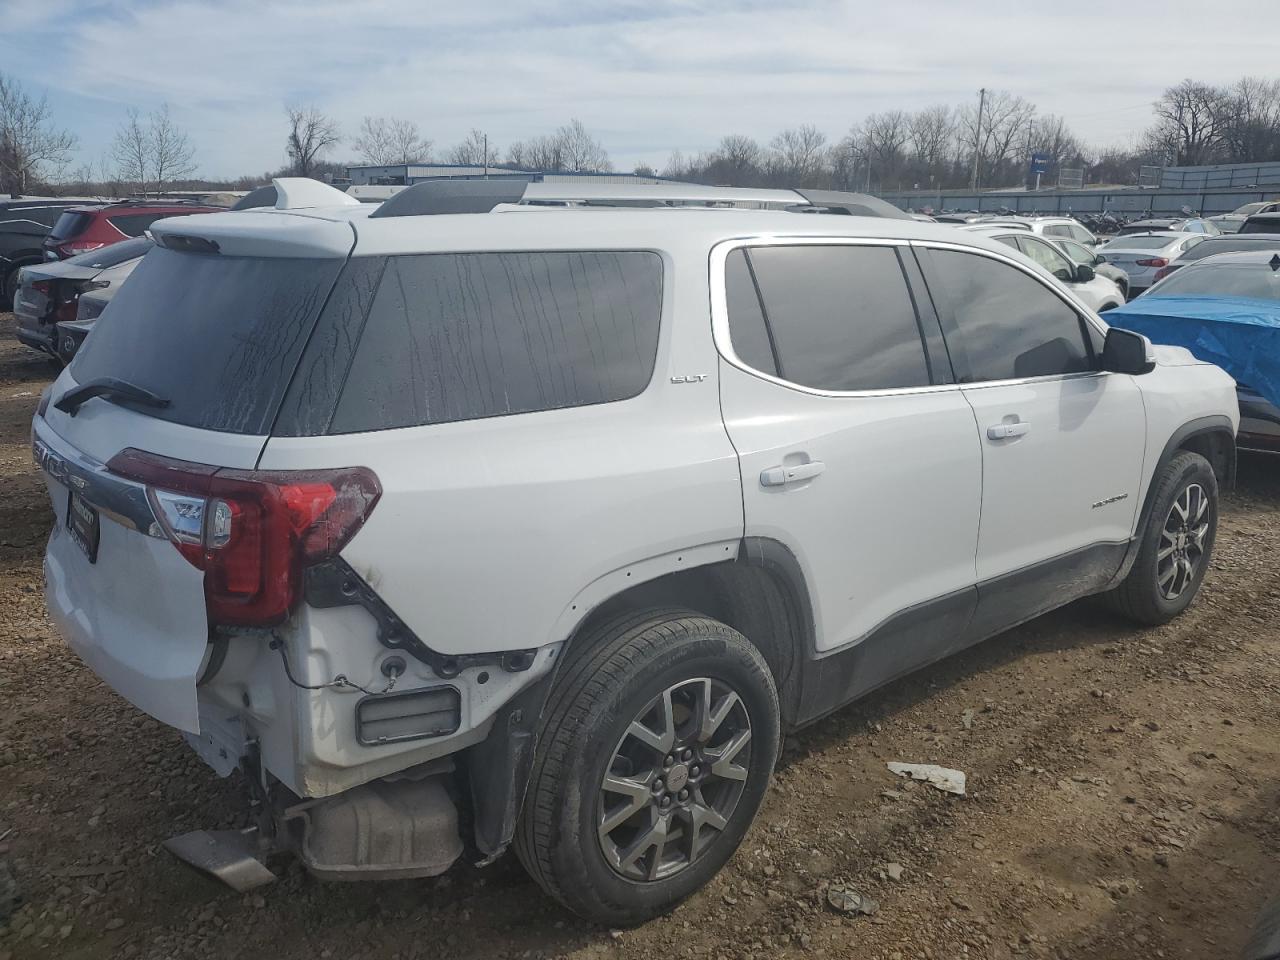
(334, 584)
(408, 715)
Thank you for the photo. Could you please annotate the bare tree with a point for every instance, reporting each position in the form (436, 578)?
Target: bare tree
(474, 151)
(736, 161)
(31, 147)
(1191, 120)
(311, 133)
(1252, 127)
(886, 136)
(797, 154)
(1003, 125)
(131, 150)
(389, 140)
(582, 153)
(172, 156)
(933, 134)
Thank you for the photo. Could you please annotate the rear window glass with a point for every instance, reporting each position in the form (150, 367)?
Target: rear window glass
(1234, 245)
(217, 336)
(1268, 225)
(1254, 280)
(69, 225)
(465, 336)
(1140, 243)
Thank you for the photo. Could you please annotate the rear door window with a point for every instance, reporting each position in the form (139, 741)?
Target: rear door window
(841, 317)
(135, 224)
(747, 329)
(465, 336)
(1003, 324)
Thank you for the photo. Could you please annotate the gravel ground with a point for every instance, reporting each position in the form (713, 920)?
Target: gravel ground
(1123, 797)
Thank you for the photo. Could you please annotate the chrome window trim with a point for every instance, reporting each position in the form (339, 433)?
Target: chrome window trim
(724, 344)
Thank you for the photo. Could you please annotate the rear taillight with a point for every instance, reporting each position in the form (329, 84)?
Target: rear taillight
(252, 532)
(75, 248)
(1161, 274)
(1154, 262)
(42, 287)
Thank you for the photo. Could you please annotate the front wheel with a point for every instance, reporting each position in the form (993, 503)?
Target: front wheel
(1177, 543)
(658, 746)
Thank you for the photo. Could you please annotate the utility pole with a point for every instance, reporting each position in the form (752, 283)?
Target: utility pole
(977, 137)
(486, 156)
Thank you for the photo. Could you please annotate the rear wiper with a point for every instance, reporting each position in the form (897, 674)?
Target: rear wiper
(73, 399)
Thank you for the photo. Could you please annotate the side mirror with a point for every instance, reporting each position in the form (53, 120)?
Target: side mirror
(1127, 352)
(1084, 273)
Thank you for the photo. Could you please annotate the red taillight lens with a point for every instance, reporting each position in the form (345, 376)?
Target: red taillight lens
(1160, 274)
(83, 246)
(252, 532)
(43, 287)
(1154, 262)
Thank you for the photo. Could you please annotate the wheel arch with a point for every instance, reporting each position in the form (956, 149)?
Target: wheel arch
(762, 593)
(1212, 437)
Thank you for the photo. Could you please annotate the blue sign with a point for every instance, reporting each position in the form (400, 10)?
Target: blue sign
(1039, 163)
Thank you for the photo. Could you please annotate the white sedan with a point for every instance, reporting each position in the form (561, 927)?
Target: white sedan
(1142, 255)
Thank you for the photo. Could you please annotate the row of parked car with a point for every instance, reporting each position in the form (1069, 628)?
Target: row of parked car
(61, 261)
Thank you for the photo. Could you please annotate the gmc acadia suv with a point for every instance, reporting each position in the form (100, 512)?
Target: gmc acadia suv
(542, 524)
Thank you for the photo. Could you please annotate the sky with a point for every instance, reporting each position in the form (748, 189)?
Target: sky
(645, 78)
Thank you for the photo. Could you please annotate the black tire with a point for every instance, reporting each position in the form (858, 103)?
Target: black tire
(622, 666)
(9, 288)
(1141, 596)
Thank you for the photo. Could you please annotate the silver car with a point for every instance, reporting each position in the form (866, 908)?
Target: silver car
(1143, 255)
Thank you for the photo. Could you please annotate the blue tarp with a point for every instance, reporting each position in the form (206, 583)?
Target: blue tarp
(1239, 334)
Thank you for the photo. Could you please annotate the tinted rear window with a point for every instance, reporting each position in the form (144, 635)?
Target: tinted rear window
(69, 225)
(1138, 243)
(466, 336)
(218, 336)
(841, 317)
(1267, 225)
(1254, 280)
(1234, 245)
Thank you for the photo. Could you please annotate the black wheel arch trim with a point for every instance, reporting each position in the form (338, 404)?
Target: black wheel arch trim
(1214, 425)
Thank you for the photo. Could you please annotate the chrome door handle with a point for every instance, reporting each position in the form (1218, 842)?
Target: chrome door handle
(780, 476)
(1006, 431)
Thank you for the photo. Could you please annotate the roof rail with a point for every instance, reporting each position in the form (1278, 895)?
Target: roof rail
(482, 196)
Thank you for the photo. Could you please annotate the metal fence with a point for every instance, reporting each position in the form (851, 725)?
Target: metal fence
(1156, 202)
(1220, 176)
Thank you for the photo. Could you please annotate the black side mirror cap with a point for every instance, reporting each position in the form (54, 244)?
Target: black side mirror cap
(1127, 352)
(1084, 273)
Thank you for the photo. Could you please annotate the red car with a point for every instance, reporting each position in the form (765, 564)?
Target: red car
(88, 227)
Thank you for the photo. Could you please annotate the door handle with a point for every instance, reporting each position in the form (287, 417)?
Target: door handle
(1007, 431)
(781, 476)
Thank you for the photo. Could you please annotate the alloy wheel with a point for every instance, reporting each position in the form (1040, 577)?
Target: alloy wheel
(674, 780)
(1182, 542)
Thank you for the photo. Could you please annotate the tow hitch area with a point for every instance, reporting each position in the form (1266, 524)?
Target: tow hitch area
(229, 855)
(387, 829)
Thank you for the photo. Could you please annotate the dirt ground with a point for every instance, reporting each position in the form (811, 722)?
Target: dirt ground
(1124, 797)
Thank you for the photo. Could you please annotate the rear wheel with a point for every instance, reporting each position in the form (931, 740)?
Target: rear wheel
(658, 746)
(1177, 543)
(9, 288)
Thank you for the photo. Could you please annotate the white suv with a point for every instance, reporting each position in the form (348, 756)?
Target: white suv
(544, 525)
